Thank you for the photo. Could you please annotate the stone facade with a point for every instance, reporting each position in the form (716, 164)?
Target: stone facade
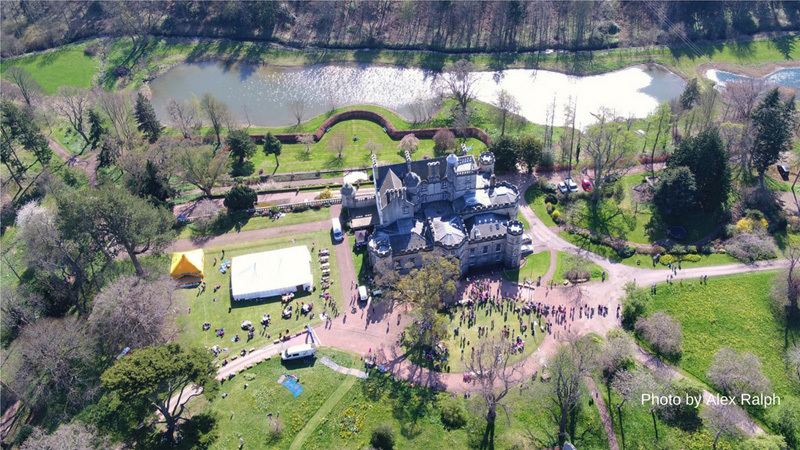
(452, 203)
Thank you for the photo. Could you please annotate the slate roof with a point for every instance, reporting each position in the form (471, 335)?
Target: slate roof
(486, 225)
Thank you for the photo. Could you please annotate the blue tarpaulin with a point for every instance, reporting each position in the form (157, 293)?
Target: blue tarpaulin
(293, 386)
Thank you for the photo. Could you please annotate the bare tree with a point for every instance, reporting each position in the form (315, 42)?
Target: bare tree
(117, 107)
(461, 80)
(561, 396)
(743, 95)
(662, 332)
(201, 166)
(496, 376)
(184, 115)
(616, 353)
(306, 139)
(217, 113)
(721, 422)
(737, 373)
(608, 145)
(506, 105)
(632, 386)
(73, 104)
(68, 436)
(372, 146)
(298, 109)
(409, 143)
(204, 214)
(28, 87)
(337, 141)
(135, 312)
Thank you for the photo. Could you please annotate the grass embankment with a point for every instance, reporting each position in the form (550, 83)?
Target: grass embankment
(64, 66)
(566, 262)
(225, 313)
(227, 224)
(536, 266)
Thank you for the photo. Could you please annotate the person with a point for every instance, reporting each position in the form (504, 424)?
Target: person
(223, 253)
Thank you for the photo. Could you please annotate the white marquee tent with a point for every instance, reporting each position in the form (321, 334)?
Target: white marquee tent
(266, 274)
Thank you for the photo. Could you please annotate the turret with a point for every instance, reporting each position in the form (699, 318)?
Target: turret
(486, 162)
(348, 193)
(511, 257)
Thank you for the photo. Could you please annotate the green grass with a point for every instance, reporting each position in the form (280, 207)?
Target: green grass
(322, 412)
(492, 318)
(536, 266)
(731, 311)
(66, 66)
(227, 224)
(567, 261)
(535, 198)
(224, 313)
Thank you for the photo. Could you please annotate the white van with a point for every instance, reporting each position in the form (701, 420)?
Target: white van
(362, 293)
(298, 351)
(337, 230)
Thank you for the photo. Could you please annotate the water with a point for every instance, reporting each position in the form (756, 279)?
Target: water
(784, 77)
(265, 92)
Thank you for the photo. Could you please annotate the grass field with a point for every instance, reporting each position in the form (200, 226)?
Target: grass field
(567, 261)
(224, 313)
(227, 224)
(66, 66)
(536, 266)
(732, 311)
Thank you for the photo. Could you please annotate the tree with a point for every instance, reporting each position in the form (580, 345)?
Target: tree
(676, 192)
(272, 146)
(115, 220)
(506, 154)
(491, 360)
(201, 166)
(662, 332)
(742, 95)
(562, 395)
(382, 437)
(705, 157)
(153, 185)
(117, 107)
(68, 436)
(74, 104)
(461, 80)
(506, 105)
(609, 145)
(774, 122)
(662, 121)
(306, 139)
(616, 353)
(240, 198)
(737, 373)
(721, 421)
(135, 312)
(28, 87)
(96, 129)
(146, 118)
(204, 213)
(217, 113)
(337, 141)
(785, 419)
(372, 146)
(634, 304)
(690, 94)
(164, 376)
(19, 132)
(530, 151)
(240, 144)
(184, 115)
(409, 144)
(443, 141)
(298, 109)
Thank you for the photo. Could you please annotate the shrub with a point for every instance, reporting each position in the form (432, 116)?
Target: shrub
(121, 71)
(556, 216)
(443, 140)
(454, 415)
(626, 251)
(667, 259)
(382, 437)
(751, 247)
(619, 191)
(551, 198)
(549, 207)
(751, 224)
(275, 209)
(577, 274)
(91, 50)
(239, 198)
(691, 258)
(729, 231)
(706, 250)
(546, 186)
(656, 250)
(793, 223)
(276, 429)
(548, 158)
(325, 194)
(678, 249)
(300, 207)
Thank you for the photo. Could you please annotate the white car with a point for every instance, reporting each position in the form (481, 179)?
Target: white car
(562, 188)
(526, 249)
(573, 187)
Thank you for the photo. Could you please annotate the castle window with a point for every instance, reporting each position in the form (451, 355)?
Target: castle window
(498, 257)
(485, 249)
(497, 248)
(472, 251)
(405, 210)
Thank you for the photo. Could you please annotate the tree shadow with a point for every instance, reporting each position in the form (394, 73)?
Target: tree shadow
(785, 45)
(606, 218)
(366, 56)
(743, 49)
(199, 432)
(487, 443)
(334, 163)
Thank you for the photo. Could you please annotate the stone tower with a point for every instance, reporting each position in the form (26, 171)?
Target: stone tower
(348, 195)
(513, 244)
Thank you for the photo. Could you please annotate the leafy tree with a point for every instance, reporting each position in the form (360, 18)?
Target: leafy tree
(154, 185)
(676, 191)
(506, 154)
(705, 157)
(201, 166)
(690, 94)
(217, 113)
(634, 304)
(115, 220)
(20, 132)
(239, 198)
(774, 122)
(96, 129)
(530, 151)
(146, 118)
(662, 120)
(785, 419)
(382, 437)
(241, 145)
(163, 375)
(272, 146)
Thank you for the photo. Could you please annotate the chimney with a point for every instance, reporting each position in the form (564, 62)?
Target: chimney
(492, 182)
(408, 161)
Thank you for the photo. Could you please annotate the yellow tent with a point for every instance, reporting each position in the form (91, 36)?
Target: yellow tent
(187, 267)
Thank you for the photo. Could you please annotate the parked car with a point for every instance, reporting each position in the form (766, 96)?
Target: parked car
(784, 171)
(587, 184)
(562, 188)
(526, 239)
(526, 249)
(573, 187)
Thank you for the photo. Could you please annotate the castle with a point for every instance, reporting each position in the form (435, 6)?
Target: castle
(452, 203)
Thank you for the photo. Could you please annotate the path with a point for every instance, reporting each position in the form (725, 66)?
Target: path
(743, 421)
(608, 424)
(323, 410)
(345, 370)
(88, 165)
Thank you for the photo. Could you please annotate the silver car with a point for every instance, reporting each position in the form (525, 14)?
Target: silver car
(573, 187)
(562, 188)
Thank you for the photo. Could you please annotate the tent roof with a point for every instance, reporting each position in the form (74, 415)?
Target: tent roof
(265, 274)
(187, 262)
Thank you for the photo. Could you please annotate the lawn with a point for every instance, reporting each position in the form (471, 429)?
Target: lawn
(567, 261)
(227, 224)
(535, 198)
(66, 66)
(485, 316)
(536, 266)
(732, 311)
(224, 313)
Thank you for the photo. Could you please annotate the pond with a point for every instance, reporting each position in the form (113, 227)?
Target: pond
(263, 93)
(789, 77)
